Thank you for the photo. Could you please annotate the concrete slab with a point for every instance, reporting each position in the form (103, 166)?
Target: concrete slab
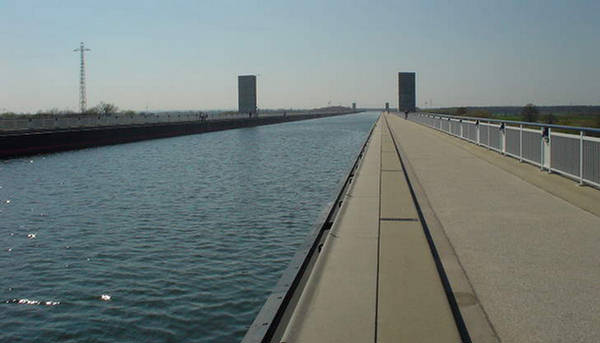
(366, 179)
(387, 145)
(390, 161)
(356, 218)
(412, 305)
(396, 201)
(338, 303)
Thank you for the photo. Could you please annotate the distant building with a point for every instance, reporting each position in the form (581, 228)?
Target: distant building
(353, 106)
(407, 98)
(247, 94)
(387, 106)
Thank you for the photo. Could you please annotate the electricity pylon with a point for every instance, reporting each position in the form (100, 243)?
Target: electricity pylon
(82, 96)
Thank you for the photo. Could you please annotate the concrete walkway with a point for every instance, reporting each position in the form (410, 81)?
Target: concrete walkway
(375, 278)
(531, 255)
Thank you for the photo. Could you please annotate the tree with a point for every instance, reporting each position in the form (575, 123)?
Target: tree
(550, 119)
(104, 109)
(461, 111)
(530, 113)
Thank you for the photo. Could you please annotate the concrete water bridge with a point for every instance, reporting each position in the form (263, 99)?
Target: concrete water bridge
(436, 239)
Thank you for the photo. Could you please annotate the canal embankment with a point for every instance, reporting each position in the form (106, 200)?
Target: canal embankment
(30, 142)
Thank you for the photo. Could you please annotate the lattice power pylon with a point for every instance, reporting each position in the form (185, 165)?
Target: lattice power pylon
(82, 96)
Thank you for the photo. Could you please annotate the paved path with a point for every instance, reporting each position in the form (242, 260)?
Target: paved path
(530, 249)
(375, 278)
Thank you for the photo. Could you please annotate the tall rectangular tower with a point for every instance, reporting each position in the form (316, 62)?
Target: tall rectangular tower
(247, 94)
(407, 99)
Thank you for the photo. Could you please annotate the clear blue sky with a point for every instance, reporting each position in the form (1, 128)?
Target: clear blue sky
(187, 54)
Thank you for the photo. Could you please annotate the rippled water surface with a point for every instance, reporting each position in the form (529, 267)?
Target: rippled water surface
(186, 235)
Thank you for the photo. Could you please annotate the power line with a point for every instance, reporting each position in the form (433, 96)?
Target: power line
(82, 96)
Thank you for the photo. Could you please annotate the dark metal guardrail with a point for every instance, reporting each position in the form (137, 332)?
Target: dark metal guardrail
(576, 156)
(274, 312)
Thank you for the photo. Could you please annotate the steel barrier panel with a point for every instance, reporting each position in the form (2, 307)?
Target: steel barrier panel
(465, 130)
(495, 138)
(455, 127)
(445, 125)
(513, 141)
(483, 134)
(33, 124)
(591, 160)
(61, 123)
(7, 124)
(564, 153)
(532, 146)
(472, 131)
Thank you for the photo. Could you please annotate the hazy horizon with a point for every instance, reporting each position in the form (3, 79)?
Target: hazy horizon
(185, 55)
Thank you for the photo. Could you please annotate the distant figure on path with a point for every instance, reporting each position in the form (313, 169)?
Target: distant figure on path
(405, 114)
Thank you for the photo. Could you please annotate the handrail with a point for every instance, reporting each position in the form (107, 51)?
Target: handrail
(553, 126)
(572, 155)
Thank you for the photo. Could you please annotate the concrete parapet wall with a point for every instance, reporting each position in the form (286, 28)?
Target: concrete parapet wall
(24, 123)
(80, 133)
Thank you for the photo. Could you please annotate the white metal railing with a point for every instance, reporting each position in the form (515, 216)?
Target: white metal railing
(576, 156)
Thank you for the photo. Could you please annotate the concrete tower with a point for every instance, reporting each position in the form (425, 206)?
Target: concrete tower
(247, 94)
(407, 98)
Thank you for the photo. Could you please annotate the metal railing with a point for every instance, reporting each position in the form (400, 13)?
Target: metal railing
(576, 156)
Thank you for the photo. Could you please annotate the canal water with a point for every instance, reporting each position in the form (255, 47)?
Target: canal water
(177, 239)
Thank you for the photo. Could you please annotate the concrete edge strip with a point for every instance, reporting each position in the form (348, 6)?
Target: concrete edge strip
(460, 324)
(476, 321)
(380, 120)
(400, 219)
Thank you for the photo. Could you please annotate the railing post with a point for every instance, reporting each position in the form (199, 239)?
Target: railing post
(521, 143)
(478, 134)
(461, 128)
(581, 157)
(542, 151)
(488, 129)
(503, 138)
(549, 149)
